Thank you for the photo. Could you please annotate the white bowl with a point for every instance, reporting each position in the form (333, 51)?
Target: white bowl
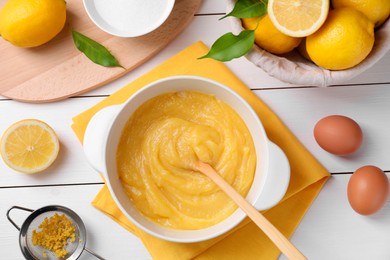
(104, 130)
(128, 18)
(294, 68)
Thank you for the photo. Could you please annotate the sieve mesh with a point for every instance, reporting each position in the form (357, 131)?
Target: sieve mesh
(30, 251)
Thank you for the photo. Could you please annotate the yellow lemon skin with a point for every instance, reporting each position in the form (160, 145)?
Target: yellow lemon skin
(302, 49)
(376, 10)
(346, 39)
(30, 23)
(268, 37)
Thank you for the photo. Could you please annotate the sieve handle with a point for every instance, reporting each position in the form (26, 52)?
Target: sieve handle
(16, 207)
(94, 254)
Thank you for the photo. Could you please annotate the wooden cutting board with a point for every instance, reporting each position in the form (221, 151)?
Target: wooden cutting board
(57, 70)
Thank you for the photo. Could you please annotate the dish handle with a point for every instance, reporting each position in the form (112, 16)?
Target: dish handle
(277, 180)
(96, 137)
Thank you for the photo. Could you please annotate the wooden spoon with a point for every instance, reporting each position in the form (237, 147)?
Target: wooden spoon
(288, 249)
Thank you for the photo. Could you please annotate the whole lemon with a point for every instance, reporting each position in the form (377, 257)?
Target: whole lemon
(30, 23)
(345, 39)
(302, 49)
(376, 10)
(268, 37)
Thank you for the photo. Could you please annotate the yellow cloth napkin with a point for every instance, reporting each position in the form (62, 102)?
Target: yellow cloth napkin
(246, 241)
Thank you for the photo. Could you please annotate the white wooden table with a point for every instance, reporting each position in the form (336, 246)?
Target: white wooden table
(330, 229)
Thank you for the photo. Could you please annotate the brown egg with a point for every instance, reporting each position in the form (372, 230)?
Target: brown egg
(368, 189)
(338, 134)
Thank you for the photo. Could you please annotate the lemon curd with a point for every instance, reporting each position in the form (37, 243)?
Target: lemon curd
(159, 146)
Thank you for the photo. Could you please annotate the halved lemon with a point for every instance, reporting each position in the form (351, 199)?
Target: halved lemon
(29, 146)
(298, 18)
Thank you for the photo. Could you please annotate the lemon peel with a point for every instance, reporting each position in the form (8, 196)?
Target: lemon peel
(346, 39)
(268, 37)
(376, 10)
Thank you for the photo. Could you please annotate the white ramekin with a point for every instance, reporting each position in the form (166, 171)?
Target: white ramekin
(128, 18)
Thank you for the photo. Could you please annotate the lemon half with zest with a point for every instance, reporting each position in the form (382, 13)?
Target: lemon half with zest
(298, 18)
(29, 146)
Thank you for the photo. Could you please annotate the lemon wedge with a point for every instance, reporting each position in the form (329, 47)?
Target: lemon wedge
(298, 18)
(29, 146)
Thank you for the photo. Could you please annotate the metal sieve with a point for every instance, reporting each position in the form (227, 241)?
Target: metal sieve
(32, 222)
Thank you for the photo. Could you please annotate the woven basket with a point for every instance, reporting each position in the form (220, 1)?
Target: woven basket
(293, 68)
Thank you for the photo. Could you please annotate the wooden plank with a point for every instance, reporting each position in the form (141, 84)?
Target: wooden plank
(252, 76)
(70, 165)
(332, 230)
(208, 29)
(299, 108)
(104, 236)
(212, 7)
(369, 106)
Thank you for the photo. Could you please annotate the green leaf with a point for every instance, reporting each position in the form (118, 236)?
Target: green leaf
(230, 46)
(94, 51)
(248, 9)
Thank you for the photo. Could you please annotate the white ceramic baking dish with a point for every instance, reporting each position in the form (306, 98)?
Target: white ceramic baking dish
(104, 131)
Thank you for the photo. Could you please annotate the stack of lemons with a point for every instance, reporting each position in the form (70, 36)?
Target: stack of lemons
(334, 35)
